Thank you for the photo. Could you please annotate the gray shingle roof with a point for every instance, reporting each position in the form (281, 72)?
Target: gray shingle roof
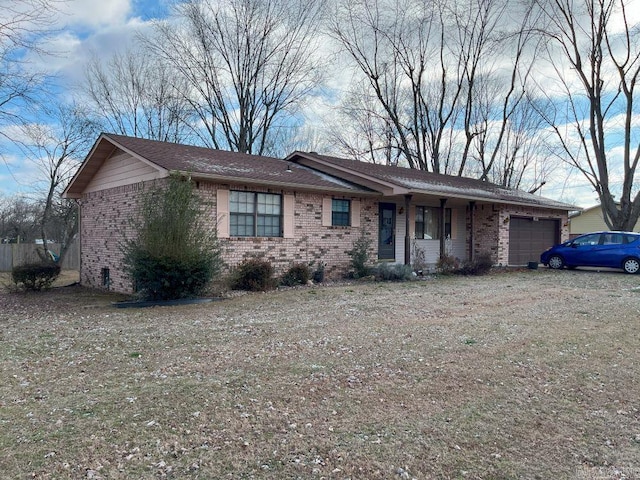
(411, 181)
(301, 171)
(212, 164)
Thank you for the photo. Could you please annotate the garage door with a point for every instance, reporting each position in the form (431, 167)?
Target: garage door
(529, 238)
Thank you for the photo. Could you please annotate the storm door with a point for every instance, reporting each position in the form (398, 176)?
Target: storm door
(387, 230)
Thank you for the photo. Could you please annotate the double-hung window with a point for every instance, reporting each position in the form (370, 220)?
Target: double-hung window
(340, 212)
(428, 223)
(255, 214)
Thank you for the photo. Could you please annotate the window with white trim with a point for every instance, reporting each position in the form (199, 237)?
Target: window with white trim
(255, 214)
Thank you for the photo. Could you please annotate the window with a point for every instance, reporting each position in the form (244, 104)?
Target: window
(428, 223)
(340, 213)
(611, 239)
(255, 214)
(587, 240)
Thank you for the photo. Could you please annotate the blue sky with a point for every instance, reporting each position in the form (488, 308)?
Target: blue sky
(82, 29)
(101, 27)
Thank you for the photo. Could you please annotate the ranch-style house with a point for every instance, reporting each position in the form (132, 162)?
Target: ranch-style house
(307, 208)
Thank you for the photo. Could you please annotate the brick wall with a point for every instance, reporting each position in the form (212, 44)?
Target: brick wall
(492, 228)
(311, 242)
(105, 224)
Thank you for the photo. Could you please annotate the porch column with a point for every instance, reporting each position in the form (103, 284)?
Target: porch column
(472, 211)
(443, 202)
(407, 234)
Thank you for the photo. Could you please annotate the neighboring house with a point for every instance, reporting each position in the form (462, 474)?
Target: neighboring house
(307, 208)
(590, 220)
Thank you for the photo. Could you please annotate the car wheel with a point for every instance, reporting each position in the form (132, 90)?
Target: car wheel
(631, 265)
(556, 262)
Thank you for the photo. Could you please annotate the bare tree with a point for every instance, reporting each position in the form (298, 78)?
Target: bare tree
(19, 219)
(58, 149)
(594, 49)
(137, 94)
(451, 80)
(392, 45)
(22, 24)
(248, 63)
(363, 131)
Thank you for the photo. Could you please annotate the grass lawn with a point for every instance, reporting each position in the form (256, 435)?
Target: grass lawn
(529, 374)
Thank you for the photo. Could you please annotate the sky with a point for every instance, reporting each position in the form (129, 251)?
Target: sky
(81, 29)
(86, 28)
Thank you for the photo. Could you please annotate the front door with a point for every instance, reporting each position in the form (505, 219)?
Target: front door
(387, 230)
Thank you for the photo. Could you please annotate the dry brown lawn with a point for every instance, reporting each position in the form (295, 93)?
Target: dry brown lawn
(526, 374)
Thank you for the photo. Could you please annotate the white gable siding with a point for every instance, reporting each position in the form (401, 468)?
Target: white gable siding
(122, 169)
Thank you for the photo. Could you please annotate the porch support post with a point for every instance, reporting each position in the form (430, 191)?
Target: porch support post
(407, 230)
(443, 202)
(472, 214)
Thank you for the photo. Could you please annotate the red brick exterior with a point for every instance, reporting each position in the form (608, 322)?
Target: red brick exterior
(106, 223)
(491, 228)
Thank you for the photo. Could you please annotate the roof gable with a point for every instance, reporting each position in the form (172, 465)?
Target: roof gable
(207, 164)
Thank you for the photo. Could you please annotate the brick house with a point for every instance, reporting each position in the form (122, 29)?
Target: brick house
(307, 208)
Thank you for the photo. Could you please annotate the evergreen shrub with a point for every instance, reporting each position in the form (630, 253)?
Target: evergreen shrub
(35, 276)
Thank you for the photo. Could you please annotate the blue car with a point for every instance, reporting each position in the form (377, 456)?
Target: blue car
(598, 249)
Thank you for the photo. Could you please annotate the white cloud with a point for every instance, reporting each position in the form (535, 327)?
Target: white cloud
(94, 13)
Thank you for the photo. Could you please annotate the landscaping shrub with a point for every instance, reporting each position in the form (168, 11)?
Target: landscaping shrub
(35, 276)
(254, 275)
(393, 272)
(165, 278)
(481, 265)
(447, 264)
(419, 256)
(318, 273)
(175, 254)
(298, 274)
(360, 256)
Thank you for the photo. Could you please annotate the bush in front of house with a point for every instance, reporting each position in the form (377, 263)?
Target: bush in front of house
(35, 276)
(480, 265)
(447, 264)
(318, 273)
(175, 254)
(360, 256)
(393, 272)
(167, 278)
(254, 275)
(297, 274)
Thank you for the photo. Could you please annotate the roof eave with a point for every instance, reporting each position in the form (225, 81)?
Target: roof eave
(271, 183)
(489, 199)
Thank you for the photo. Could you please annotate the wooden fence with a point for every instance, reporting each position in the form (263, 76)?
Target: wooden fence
(13, 254)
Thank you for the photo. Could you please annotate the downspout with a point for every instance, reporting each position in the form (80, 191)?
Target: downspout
(79, 236)
(407, 233)
(443, 202)
(472, 211)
